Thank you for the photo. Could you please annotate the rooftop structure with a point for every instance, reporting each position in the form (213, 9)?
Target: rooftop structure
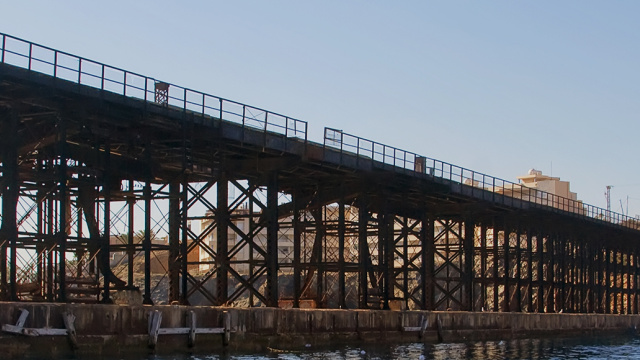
(545, 190)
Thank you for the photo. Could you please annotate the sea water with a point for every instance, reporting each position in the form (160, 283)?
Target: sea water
(574, 348)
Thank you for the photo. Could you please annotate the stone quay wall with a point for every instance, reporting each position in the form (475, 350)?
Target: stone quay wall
(119, 329)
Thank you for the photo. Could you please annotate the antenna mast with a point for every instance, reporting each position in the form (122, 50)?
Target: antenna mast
(607, 196)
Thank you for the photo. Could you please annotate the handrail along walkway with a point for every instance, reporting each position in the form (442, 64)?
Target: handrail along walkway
(62, 65)
(412, 163)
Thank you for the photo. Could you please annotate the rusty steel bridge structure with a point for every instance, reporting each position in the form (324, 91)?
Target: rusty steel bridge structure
(106, 173)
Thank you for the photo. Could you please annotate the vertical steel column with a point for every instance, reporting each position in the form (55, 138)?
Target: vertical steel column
(635, 281)
(628, 288)
(570, 251)
(620, 280)
(106, 238)
(566, 272)
(405, 260)
(363, 252)
(131, 202)
(623, 289)
(92, 213)
(631, 282)
(80, 249)
(187, 163)
(540, 269)
(10, 196)
(625, 282)
(222, 248)
(593, 291)
(252, 225)
(468, 276)
(62, 229)
(174, 241)
(385, 256)
(382, 263)
(40, 246)
(341, 266)
(579, 264)
(319, 248)
(496, 281)
(585, 275)
(586, 266)
(272, 240)
(572, 281)
(575, 278)
(577, 274)
(428, 262)
(6, 210)
(613, 278)
(596, 272)
(506, 305)
(483, 265)
(297, 240)
(529, 271)
(389, 259)
(632, 288)
(519, 270)
(146, 242)
(50, 246)
(551, 273)
(614, 283)
(619, 266)
(604, 280)
(184, 243)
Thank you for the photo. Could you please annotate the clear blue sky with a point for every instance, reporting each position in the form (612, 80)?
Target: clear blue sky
(495, 86)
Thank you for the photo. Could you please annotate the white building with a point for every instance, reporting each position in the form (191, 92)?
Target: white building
(545, 190)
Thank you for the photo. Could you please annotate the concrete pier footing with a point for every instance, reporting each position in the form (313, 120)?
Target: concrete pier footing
(117, 329)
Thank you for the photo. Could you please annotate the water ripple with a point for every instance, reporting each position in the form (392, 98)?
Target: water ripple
(555, 349)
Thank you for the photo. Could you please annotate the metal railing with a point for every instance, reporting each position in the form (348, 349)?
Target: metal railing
(62, 65)
(477, 184)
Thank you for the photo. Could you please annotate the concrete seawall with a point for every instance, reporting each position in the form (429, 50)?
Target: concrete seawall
(113, 329)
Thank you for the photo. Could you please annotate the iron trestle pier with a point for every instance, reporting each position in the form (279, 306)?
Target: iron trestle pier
(114, 181)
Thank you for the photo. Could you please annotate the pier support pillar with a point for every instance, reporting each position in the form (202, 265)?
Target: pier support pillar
(363, 253)
(468, 276)
(342, 303)
(297, 245)
(428, 262)
(272, 240)
(105, 247)
(146, 242)
(506, 305)
(529, 271)
(10, 193)
(61, 235)
(222, 245)
(131, 203)
(174, 242)
(540, 271)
